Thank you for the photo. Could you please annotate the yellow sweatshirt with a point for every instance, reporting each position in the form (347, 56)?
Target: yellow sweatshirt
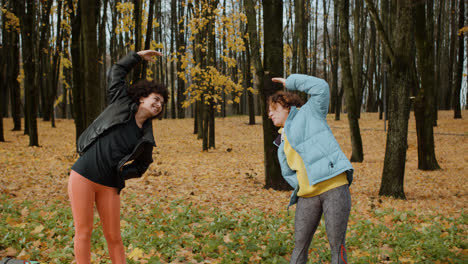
(296, 163)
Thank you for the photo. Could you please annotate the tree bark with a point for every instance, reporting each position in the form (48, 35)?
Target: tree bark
(180, 44)
(173, 63)
(91, 67)
(79, 107)
(12, 55)
(459, 65)
(137, 70)
(351, 102)
(56, 63)
(44, 70)
(425, 100)
(273, 67)
(248, 79)
(335, 104)
(29, 65)
(398, 108)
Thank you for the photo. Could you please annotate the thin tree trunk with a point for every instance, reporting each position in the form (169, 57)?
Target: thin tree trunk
(173, 68)
(351, 102)
(180, 44)
(452, 56)
(149, 31)
(459, 65)
(335, 99)
(31, 92)
(314, 66)
(92, 88)
(13, 69)
(137, 12)
(248, 79)
(44, 70)
(371, 100)
(56, 62)
(79, 108)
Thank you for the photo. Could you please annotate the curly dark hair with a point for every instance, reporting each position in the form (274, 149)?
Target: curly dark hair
(144, 88)
(286, 99)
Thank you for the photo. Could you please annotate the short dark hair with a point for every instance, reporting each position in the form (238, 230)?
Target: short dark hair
(286, 99)
(144, 88)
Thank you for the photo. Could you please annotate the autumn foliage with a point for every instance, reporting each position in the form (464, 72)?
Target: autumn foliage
(195, 207)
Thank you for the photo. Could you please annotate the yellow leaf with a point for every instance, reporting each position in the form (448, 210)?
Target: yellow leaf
(38, 229)
(136, 254)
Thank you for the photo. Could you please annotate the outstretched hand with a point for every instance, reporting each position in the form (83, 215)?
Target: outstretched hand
(279, 80)
(149, 54)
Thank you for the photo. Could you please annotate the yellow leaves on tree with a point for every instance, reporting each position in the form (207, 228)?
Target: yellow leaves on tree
(11, 21)
(208, 84)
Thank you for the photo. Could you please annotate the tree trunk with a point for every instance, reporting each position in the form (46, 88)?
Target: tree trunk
(211, 37)
(300, 26)
(29, 65)
(137, 12)
(102, 53)
(425, 100)
(248, 79)
(459, 65)
(351, 102)
(79, 108)
(12, 55)
(325, 41)
(357, 57)
(371, 100)
(335, 104)
(273, 67)
(398, 108)
(44, 70)
(452, 57)
(149, 31)
(314, 65)
(92, 87)
(56, 62)
(3, 72)
(172, 63)
(180, 44)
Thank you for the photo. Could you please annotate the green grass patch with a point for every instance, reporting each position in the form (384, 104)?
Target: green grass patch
(166, 232)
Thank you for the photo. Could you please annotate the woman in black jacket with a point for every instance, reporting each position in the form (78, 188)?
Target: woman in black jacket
(115, 147)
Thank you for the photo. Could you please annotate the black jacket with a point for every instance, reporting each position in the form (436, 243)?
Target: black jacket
(120, 109)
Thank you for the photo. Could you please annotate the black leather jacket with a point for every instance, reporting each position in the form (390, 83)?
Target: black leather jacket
(120, 109)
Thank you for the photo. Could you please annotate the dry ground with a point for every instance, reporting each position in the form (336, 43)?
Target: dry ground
(233, 180)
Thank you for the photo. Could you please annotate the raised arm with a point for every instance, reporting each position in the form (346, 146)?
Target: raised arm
(117, 86)
(317, 89)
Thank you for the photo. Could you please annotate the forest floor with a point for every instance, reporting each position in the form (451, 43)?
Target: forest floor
(211, 207)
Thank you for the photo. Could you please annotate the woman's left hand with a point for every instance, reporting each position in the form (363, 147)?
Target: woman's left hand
(279, 80)
(149, 54)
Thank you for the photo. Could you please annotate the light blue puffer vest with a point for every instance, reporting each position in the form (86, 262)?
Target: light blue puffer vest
(310, 136)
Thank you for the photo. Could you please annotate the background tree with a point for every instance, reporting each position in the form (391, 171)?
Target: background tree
(92, 92)
(11, 57)
(459, 63)
(398, 108)
(425, 100)
(273, 67)
(28, 36)
(351, 101)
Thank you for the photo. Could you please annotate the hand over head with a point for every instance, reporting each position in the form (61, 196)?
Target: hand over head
(149, 54)
(279, 80)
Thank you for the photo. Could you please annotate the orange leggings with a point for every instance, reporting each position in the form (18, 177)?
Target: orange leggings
(83, 194)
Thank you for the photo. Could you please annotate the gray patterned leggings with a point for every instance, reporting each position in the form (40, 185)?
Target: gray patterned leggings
(335, 205)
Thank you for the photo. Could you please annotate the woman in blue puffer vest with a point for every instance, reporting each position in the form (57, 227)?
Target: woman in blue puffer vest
(313, 163)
